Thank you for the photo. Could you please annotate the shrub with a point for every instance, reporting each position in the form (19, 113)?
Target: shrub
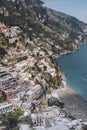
(2, 51)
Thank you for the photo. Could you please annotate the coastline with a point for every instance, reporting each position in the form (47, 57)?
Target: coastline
(75, 104)
(70, 52)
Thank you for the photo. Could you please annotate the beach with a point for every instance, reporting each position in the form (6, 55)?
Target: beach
(74, 104)
(74, 68)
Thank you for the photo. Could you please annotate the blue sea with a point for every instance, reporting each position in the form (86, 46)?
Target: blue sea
(74, 67)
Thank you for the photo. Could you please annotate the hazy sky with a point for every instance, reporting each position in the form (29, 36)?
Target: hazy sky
(77, 8)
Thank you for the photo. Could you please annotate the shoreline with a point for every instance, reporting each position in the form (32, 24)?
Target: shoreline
(75, 104)
(71, 52)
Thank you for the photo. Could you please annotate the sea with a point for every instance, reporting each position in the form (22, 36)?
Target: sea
(74, 66)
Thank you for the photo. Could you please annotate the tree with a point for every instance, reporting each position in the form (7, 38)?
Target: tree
(2, 51)
(11, 119)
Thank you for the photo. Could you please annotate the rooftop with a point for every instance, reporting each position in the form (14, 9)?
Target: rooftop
(24, 127)
(5, 105)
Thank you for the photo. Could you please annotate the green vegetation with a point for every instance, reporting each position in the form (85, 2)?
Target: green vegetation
(52, 82)
(16, 60)
(2, 51)
(54, 26)
(56, 102)
(2, 99)
(11, 119)
(31, 47)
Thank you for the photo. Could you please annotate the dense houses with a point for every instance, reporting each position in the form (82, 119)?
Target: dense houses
(23, 92)
(51, 118)
(24, 86)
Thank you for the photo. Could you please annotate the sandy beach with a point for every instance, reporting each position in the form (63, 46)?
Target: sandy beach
(74, 103)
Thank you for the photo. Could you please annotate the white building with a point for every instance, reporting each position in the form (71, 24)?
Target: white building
(4, 108)
(24, 127)
(37, 90)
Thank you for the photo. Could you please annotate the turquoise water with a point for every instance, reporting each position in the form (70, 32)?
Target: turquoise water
(74, 67)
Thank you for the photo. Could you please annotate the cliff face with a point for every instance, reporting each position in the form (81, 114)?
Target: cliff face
(51, 30)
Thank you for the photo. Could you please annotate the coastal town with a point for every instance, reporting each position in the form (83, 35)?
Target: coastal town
(28, 82)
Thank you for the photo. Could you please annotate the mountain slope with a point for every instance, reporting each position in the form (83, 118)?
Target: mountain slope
(49, 29)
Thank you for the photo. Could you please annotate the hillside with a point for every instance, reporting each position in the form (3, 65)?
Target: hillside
(30, 25)
(32, 36)
(51, 30)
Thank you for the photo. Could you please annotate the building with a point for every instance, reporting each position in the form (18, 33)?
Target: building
(31, 105)
(16, 102)
(10, 93)
(4, 108)
(8, 86)
(37, 90)
(8, 83)
(24, 127)
(7, 79)
(37, 119)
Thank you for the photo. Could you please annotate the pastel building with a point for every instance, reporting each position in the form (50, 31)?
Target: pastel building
(8, 83)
